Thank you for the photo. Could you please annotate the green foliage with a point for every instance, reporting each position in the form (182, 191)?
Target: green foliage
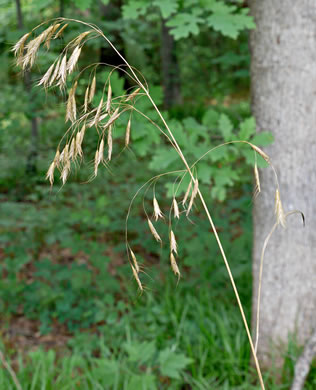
(188, 17)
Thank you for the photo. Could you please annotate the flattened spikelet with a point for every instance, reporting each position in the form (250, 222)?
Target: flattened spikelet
(50, 35)
(187, 194)
(136, 266)
(157, 211)
(71, 111)
(261, 152)
(174, 266)
(98, 113)
(132, 95)
(193, 195)
(55, 74)
(58, 34)
(19, 46)
(175, 208)
(113, 118)
(86, 100)
(110, 143)
(92, 89)
(80, 37)
(96, 162)
(128, 132)
(50, 173)
(257, 180)
(153, 230)
(279, 212)
(173, 243)
(62, 73)
(101, 150)
(73, 59)
(108, 101)
(137, 278)
(45, 79)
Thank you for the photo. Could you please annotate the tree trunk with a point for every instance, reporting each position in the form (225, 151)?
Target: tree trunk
(283, 71)
(170, 68)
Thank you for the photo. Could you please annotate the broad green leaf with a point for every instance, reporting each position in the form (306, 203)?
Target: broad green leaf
(263, 138)
(163, 158)
(140, 352)
(172, 363)
(167, 7)
(247, 128)
(184, 24)
(225, 127)
(210, 118)
(135, 8)
(227, 21)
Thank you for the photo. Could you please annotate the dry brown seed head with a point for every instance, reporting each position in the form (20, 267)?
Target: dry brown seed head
(62, 74)
(73, 59)
(187, 193)
(96, 162)
(257, 179)
(174, 266)
(86, 99)
(71, 111)
(280, 215)
(78, 144)
(153, 230)
(173, 243)
(132, 95)
(110, 143)
(72, 149)
(136, 266)
(157, 212)
(175, 208)
(101, 150)
(60, 31)
(19, 46)
(80, 37)
(193, 195)
(128, 132)
(113, 118)
(50, 173)
(50, 35)
(108, 101)
(45, 79)
(55, 74)
(65, 172)
(137, 278)
(261, 152)
(92, 89)
(98, 113)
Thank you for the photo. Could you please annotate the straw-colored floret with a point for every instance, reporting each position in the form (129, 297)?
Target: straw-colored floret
(174, 266)
(157, 212)
(176, 212)
(187, 193)
(73, 59)
(136, 266)
(173, 243)
(193, 196)
(279, 212)
(153, 230)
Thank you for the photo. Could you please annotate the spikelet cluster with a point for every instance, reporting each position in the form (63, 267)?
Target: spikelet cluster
(80, 116)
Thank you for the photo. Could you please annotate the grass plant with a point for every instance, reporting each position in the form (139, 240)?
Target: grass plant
(100, 111)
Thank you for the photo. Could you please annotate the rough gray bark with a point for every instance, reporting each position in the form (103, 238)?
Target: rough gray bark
(303, 364)
(283, 70)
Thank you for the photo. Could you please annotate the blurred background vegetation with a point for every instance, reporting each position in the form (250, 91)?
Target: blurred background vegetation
(71, 315)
